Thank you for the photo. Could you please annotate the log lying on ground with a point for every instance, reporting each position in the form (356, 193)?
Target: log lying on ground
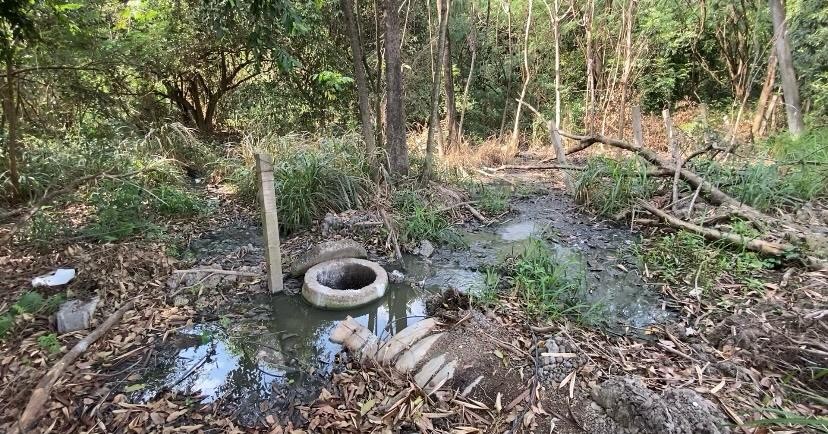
(756, 245)
(43, 390)
(535, 167)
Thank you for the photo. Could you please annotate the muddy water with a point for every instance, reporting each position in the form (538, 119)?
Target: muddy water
(266, 355)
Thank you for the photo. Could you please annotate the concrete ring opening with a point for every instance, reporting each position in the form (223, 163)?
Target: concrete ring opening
(344, 283)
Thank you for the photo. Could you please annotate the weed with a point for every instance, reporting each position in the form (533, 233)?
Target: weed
(49, 343)
(549, 287)
(173, 201)
(118, 211)
(30, 302)
(205, 337)
(687, 257)
(53, 303)
(492, 200)
(487, 296)
(44, 228)
(609, 186)
(6, 324)
(418, 221)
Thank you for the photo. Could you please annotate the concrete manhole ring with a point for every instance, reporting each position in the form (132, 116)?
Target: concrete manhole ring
(344, 283)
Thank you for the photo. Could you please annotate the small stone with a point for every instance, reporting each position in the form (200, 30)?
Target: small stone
(426, 249)
(396, 276)
(75, 315)
(180, 300)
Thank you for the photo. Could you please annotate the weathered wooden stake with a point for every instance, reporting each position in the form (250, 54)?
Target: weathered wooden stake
(560, 154)
(270, 221)
(638, 135)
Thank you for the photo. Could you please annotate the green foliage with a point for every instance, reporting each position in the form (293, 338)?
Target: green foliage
(687, 258)
(550, 286)
(118, 211)
(608, 186)
(418, 220)
(487, 296)
(44, 227)
(787, 172)
(49, 342)
(492, 200)
(6, 324)
(173, 201)
(30, 302)
(788, 418)
(53, 302)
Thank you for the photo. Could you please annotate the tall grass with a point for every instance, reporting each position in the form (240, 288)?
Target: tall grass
(609, 186)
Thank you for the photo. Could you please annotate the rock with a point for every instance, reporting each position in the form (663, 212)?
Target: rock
(180, 300)
(61, 276)
(637, 409)
(75, 315)
(396, 276)
(327, 251)
(426, 249)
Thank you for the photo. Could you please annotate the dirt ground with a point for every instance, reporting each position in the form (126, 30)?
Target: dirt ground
(742, 353)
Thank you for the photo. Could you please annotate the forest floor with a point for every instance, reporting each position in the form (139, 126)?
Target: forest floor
(219, 354)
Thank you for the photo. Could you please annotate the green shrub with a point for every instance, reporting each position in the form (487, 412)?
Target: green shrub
(30, 302)
(550, 286)
(53, 302)
(492, 200)
(119, 211)
(44, 227)
(6, 324)
(173, 201)
(608, 186)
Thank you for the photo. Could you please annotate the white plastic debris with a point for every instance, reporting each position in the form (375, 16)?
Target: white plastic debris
(61, 276)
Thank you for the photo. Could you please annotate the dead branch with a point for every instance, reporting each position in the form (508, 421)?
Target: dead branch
(391, 234)
(456, 205)
(41, 393)
(467, 205)
(716, 196)
(756, 245)
(217, 271)
(535, 167)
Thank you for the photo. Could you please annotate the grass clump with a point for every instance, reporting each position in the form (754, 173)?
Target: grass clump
(174, 201)
(491, 200)
(6, 324)
(608, 186)
(549, 286)
(686, 257)
(419, 221)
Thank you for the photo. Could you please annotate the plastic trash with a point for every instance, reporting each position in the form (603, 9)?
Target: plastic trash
(61, 276)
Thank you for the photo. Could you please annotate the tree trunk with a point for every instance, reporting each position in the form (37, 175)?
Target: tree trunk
(556, 30)
(765, 96)
(434, 119)
(590, 69)
(513, 142)
(451, 106)
(362, 84)
(394, 109)
(509, 72)
(790, 87)
(10, 111)
(473, 46)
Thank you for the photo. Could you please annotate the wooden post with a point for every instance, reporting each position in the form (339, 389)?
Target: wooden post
(638, 135)
(560, 154)
(676, 152)
(270, 221)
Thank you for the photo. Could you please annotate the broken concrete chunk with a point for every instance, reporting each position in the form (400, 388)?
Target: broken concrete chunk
(405, 339)
(61, 276)
(429, 369)
(396, 276)
(411, 358)
(441, 377)
(327, 251)
(75, 315)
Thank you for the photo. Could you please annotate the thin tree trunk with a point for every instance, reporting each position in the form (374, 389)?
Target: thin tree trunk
(473, 46)
(509, 72)
(625, 73)
(10, 111)
(379, 109)
(590, 93)
(434, 119)
(394, 109)
(765, 96)
(513, 142)
(556, 30)
(362, 84)
(790, 87)
(451, 105)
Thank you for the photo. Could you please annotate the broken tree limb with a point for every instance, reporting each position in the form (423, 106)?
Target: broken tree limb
(716, 196)
(467, 205)
(41, 393)
(756, 245)
(392, 234)
(534, 167)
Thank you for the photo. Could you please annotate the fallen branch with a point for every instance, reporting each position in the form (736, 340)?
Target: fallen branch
(41, 393)
(456, 205)
(756, 245)
(535, 167)
(716, 196)
(218, 271)
(467, 205)
(391, 234)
